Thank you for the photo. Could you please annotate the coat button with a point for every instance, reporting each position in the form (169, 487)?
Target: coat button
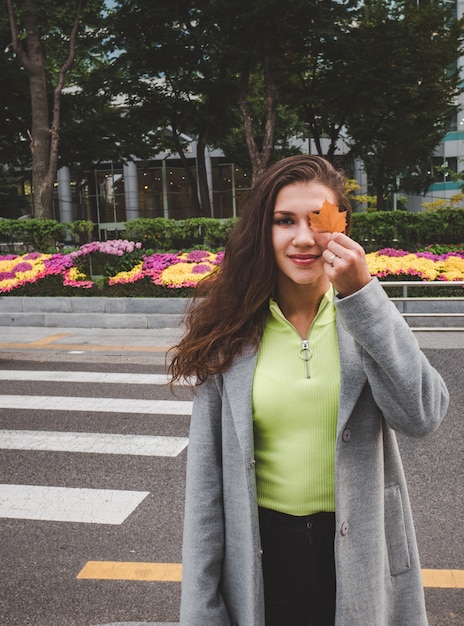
(344, 529)
(346, 435)
(252, 462)
(260, 553)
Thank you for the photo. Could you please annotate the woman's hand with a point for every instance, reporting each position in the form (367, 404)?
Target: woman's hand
(345, 263)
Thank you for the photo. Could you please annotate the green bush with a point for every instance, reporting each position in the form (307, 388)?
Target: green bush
(36, 235)
(157, 233)
(166, 234)
(406, 230)
(381, 229)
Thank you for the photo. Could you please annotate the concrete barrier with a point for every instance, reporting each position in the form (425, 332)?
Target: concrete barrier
(89, 312)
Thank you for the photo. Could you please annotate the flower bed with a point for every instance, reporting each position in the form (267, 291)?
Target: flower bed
(127, 270)
(124, 264)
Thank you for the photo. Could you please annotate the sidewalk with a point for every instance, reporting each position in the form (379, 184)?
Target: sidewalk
(149, 344)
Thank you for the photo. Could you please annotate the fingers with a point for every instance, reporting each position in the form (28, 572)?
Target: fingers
(346, 264)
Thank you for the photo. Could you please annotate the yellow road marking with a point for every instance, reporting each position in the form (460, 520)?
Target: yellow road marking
(172, 572)
(46, 344)
(117, 570)
(443, 578)
(41, 343)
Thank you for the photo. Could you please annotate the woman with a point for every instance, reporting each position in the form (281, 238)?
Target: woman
(297, 510)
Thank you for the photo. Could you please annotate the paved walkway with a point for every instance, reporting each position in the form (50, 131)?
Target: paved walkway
(150, 344)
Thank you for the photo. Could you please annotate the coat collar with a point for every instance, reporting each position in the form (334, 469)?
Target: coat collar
(352, 375)
(238, 381)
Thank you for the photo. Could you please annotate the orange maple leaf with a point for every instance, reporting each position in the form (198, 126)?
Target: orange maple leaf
(329, 219)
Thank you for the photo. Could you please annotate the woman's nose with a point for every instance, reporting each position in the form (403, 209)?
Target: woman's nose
(304, 235)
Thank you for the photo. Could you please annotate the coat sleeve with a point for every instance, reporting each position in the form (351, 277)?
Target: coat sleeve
(409, 391)
(203, 542)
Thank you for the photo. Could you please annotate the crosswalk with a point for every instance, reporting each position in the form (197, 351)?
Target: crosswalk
(55, 502)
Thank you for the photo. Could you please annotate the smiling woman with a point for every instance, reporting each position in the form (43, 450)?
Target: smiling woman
(299, 361)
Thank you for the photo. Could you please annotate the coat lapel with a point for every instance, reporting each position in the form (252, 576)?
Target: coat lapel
(352, 375)
(238, 380)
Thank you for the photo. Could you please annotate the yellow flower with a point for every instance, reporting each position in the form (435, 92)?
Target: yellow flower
(76, 274)
(181, 273)
(127, 277)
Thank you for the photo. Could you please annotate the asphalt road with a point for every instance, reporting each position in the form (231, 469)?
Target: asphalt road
(42, 559)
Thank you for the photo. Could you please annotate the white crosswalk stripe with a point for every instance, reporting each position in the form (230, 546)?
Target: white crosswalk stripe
(62, 504)
(73, 504)
(96, 443)
(104, 405)
(117, 378)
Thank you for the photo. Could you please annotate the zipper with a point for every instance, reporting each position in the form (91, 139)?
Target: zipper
(305, 354)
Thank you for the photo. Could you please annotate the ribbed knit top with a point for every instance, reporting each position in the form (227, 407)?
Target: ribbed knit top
(295, 417)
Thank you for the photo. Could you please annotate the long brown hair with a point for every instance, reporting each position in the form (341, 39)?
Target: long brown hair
(229, 308)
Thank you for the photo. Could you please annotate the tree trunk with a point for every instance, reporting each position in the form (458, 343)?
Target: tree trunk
(40, 147)
(381, 201)
(44, 138)
(188, 171)
(259, 158)
(203, 186)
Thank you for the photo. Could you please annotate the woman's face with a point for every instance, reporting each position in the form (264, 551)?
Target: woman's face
(297, 247)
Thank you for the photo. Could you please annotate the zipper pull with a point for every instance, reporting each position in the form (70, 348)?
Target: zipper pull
(306, 353)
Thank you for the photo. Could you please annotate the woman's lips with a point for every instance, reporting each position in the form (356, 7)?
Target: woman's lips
(303, 259)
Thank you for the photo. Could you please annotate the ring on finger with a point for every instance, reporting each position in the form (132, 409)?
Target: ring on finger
(332, 259)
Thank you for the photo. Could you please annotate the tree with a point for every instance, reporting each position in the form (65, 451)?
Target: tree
(96, 129)
(172, 73)
(316, 84)
(43, 38)
(406, 90)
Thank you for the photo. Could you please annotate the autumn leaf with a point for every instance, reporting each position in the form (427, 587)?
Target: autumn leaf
(329, 219)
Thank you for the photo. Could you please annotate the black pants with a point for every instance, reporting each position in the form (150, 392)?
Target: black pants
(298, 568)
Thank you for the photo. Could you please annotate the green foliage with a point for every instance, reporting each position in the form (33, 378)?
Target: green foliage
(167, 234)
(407, 231)
(36, 235)
(80, 231)
(156, 233)
(384, 229)
(404, 56)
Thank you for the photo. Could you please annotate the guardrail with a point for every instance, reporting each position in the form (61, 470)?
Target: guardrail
(429, 305)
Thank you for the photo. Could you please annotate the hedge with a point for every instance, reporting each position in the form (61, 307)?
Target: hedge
(385, 229)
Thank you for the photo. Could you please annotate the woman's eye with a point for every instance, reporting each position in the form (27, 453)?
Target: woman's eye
(283, 220)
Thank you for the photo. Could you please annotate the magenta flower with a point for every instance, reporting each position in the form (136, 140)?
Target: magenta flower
(31, 256)
(197, 255)
(7, 275)
(201, 269)
(392, 252)
(22, 267)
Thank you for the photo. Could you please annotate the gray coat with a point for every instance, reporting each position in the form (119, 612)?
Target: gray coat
(387, 384)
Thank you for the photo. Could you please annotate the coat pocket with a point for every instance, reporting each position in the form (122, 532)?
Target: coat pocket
(395, 532)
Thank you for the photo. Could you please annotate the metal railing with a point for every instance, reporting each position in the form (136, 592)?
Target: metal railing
(429, 304)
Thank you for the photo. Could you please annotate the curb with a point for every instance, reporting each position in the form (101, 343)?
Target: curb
(90, 312)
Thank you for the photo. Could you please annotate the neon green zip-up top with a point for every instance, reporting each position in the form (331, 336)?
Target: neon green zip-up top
(296, 389)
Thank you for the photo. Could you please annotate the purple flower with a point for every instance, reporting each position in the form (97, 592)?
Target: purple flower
(201, 269)
(22, 267)
(197, 255)
(32, 256)
(7, 276)
(392, 252)
(59, 262)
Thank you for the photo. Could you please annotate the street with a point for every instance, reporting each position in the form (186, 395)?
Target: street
(92, 470)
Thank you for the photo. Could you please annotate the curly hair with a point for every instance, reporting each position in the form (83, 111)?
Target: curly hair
(229, 309)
